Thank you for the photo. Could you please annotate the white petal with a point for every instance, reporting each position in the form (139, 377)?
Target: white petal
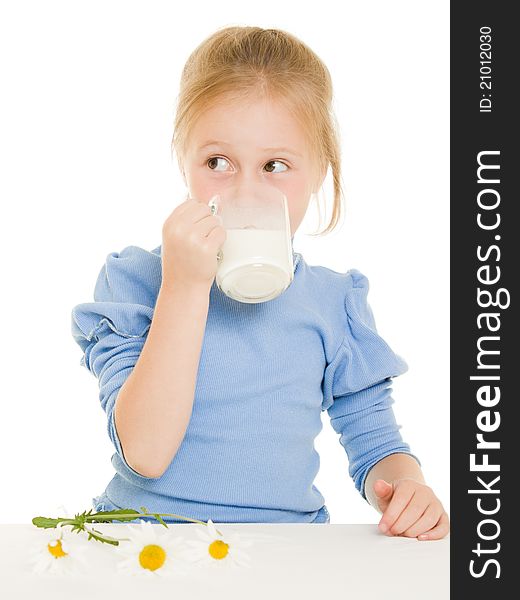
(212, 529)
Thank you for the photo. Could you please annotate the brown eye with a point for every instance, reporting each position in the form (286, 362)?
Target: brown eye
(213, 163)
(270, 168)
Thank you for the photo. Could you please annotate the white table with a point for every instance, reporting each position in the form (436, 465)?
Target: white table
(312, 561)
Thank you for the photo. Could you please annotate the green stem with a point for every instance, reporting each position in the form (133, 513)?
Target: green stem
(125, 516)
(78, 523)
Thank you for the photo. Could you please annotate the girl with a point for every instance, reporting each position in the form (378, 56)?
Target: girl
(213, 404)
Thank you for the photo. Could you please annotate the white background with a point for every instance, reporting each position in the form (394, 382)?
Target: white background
(89, 91)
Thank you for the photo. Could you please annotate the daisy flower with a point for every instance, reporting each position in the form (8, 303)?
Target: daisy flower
(151, 551)
(213, 548)
(57, 553)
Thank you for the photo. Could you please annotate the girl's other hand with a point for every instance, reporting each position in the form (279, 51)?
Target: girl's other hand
(410, 509)
(191, 239)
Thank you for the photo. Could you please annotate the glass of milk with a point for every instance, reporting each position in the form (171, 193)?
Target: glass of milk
(256, 260)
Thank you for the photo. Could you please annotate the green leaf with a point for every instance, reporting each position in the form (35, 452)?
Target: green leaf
(101, 537)
(160, 519)
(45, 522)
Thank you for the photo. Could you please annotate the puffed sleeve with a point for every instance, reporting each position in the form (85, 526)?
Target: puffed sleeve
(356, 387)
(111, 331)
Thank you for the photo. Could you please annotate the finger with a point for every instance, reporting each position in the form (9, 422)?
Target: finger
(216, 237)
(383, 489)
(189, 212)
(429, 519)
(185, 204)
(439, 531)
(199, 212)
(206, 225)
(403, 494)
(383, 492)
(413, 512)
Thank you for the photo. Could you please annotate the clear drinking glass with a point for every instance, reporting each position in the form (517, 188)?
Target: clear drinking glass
(255, 261)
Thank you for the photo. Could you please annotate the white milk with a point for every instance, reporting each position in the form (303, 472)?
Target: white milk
(256, 265)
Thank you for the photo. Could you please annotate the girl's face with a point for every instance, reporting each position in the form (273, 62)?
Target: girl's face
(242, 143)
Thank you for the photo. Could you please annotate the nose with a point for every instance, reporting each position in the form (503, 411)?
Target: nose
(246, 182)
(244, 188)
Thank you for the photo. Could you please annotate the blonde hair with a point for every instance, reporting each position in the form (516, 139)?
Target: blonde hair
(240, 62)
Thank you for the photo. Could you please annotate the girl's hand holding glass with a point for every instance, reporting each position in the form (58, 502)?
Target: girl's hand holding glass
(191, 239)
(410, 509)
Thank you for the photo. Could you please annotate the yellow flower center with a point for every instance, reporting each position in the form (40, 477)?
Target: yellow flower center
(152, 557)
(56, 550)
(218, 549)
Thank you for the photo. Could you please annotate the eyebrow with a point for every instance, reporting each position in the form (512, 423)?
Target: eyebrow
(278, 149)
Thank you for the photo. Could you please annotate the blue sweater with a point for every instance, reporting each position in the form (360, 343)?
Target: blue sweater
(266, 373)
